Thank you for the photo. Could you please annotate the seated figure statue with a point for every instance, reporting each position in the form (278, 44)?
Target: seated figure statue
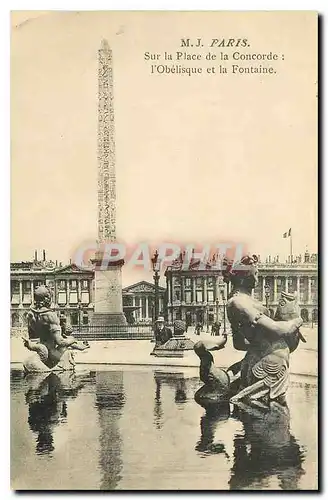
(264, 371)
(52, 350)
(267, 342)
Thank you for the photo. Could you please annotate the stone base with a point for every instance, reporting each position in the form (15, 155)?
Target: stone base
(219, 391)
(108, 319)
(174, 348)
(33, 364)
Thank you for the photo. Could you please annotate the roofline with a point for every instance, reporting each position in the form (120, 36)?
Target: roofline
(126, 288)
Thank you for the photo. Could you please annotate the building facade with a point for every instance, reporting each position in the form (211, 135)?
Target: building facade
(72, 290)
(199, 296)
(140, 299)
(299, 277)
(193, 295)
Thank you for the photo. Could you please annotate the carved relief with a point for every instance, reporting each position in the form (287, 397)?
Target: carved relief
(143, 287)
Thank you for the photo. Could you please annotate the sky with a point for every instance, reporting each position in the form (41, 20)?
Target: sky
(198, 159)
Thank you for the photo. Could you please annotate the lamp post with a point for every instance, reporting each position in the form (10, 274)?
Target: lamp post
(156, 263)
(222, 291)
(62, 321)
(217, 309)
(152, 310)
(267, 290)
(80, 309)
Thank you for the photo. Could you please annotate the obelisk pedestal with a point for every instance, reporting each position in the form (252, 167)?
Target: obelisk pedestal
(108, 295)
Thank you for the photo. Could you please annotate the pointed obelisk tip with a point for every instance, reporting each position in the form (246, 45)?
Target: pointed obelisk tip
(104, 45)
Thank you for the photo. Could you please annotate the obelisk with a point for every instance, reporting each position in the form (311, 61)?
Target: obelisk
(108, 277)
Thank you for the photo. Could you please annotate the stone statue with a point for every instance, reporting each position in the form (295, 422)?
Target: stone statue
(219, 385)
(52, 350)
(267, 342)
(264, 371)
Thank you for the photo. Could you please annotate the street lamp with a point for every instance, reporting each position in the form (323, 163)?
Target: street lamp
(267, 290)
(217, 309)
(79, 316)
(62, 322)
(156, 263)
(222, 291)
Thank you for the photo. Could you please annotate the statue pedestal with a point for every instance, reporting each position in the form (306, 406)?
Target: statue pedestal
(174, 347)
(33, 364)
(105, 319)
(108, 295)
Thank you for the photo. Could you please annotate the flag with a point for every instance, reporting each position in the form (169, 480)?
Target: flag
(289, 233)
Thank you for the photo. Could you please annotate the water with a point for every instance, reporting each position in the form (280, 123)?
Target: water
(130, 428)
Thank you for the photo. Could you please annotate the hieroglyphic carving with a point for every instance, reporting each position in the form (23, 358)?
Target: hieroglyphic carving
(108, 283)
(106, 147)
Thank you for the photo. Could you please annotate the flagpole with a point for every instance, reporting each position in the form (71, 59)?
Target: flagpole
(291, 247)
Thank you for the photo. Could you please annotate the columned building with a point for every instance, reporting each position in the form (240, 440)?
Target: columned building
(300, 278)
(140, 299)
(72, 290)
(195, 295)
(199, 296)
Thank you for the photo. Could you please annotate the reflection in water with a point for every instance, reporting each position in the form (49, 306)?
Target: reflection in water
(265, 450)
(110, 400)
(109, 440)
(208, 425)
(46, 399)
(174, 380)
(158, 410)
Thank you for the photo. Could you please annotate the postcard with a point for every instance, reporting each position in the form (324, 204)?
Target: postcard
(164, 250)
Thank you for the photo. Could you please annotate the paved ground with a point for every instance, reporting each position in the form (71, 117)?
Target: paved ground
(137, 352)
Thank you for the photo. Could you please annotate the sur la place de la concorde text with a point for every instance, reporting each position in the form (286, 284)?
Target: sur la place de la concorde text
(167, 60)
